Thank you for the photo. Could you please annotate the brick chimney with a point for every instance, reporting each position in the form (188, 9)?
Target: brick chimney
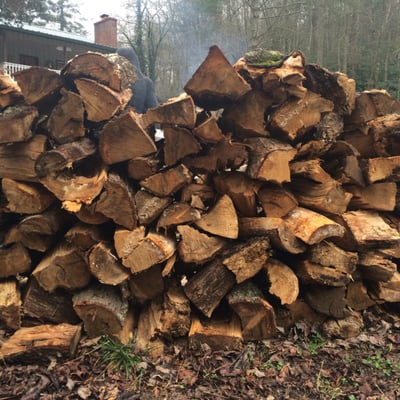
(105, 31)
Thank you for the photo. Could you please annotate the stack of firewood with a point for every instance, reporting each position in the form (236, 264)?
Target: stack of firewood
(270, 197)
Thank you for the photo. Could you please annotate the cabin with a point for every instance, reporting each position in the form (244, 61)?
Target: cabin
(26, 46)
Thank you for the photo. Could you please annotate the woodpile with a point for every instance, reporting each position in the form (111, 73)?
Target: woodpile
(270, 198)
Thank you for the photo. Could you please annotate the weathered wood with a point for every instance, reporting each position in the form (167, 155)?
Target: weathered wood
(196, 247)
(245, 260)
(269, 159)
(283, 282)
(345, 328)
(10, 304)
(241, 189)
(149, 207)
(17, 123)
(209, 286)
(382, 168)
(177, 111)
(246, 117)
(101, 309)
(178, 143)
(345, 170)
(176, 214)
(334, 86)
(147, 285)
(385, 133)
(112, 70)
(198, 195)
(215, 83)
(88, 215)
(329, 128)
(55, 308)
(376, 267)
(17, 161)
(39, 85)
(84, 236)
(63, 267)
(275, 229)
(36, 344)
(388, 291)
(116, 201)
(10, 92)
(209, 131)
(276, 201)
(256, 314)
(377, 196)
(140, 168)
(218, 334)
(294, 118)
(357, 297)
(123, 138)
(66, 121)
(312, 227)
(221, 220)
(105, 266)
(167, 182)
(100, 102)
(14, 259)
(25, 198)
(125, 240)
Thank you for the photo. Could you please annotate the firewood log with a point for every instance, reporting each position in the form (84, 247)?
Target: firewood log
(381, 168)
(376, 267)
(10, 92)
(176, 214)
(209, 131)
(14, 259)
(327, 300)
(215, 83)
(140, 168)
(387, 291)
(10, 304)
(276, 200)
(147, 285)
(377, 196)
(357, 297)
(150, 207)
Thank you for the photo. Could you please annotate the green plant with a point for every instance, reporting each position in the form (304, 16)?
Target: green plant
(121, 357)
(276, 365)
(382, 363)
(315, 343)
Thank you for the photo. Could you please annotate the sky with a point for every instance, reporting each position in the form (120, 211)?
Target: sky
(92, 9)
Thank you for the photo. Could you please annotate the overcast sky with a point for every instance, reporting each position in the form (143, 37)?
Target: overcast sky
(92, 9)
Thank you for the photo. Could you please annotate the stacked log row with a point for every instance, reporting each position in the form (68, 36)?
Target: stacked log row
(270, 197)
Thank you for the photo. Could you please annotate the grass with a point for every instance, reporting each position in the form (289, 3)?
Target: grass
(381, 363)
(118, 356)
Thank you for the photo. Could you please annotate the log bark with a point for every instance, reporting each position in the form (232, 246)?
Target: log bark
(36, 344)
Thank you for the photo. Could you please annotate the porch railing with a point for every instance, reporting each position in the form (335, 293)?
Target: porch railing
(12, 68)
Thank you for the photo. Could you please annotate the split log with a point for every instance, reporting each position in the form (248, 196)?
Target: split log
(209, 131)
(14, 259)
(25, 198)
(125, 240)
(150, 207)
(123, 138)
(72, 172)
(221, 220)
(283, 282)
(112, 70)
(178, 143)
(37, 343)
(215, 83)
(64, 267)
(345, 170)
(269, 159)
(116, 201)
(276, 201)
(385, 133)
(334, 86)
(100, 102)
(246, 117)
(196, 247)
(84, 236)
(177, 214)
(88, 215)
(382, 168)
(209, 286)
(275, 229)
(17, 160)
(329, 128)
(376, 267)
(105, 266)
(218, 334)
(198, 195)
(327, 300)
(140, 168)
(225, 154)
(101, 309)
(147, 285)
(357, 297)
(247, 259)
(167, 182)
(312, 227)
(388, 291)
(256, 314)
(54, 309)
(294, 118)
(347, 327)
(377, 196)
(177, 111)
(40, 86)
(17, 123)
(10, 304)
(298, 311)
(241, 189)
(66, 121)
(10, 92)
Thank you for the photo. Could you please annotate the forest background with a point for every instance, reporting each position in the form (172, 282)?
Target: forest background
(358, 37)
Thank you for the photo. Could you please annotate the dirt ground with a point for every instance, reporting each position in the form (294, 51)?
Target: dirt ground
(302, 364)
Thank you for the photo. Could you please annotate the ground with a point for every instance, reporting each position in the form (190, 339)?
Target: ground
(301, 364)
